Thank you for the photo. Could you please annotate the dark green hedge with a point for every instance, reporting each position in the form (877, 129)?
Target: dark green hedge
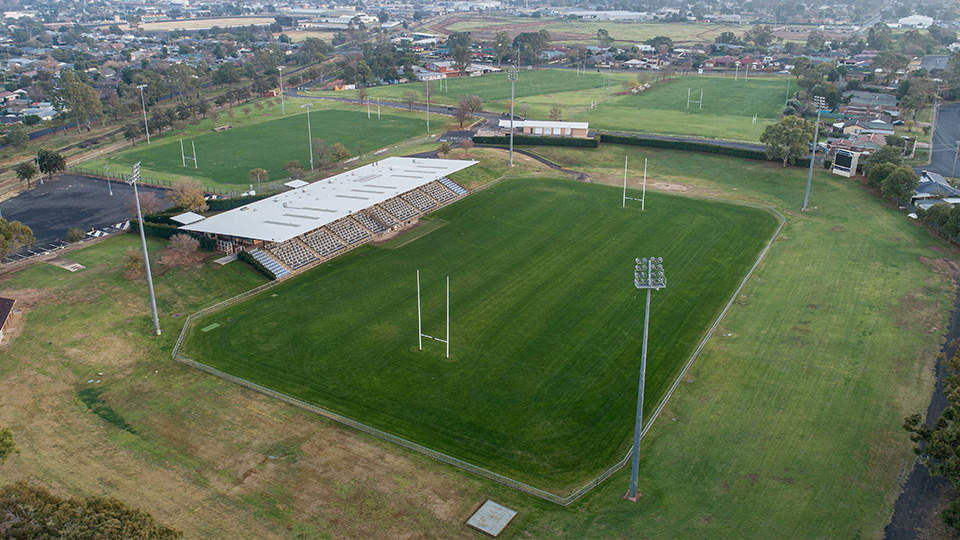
(162, 230)
(248, 258)
(520, 140)
(219, 205)
(686, 145)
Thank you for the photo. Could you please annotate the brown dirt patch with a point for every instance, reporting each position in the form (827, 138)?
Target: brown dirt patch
(181, 259)
(838, 228)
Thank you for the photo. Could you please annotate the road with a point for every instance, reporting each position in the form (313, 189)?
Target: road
(946, 136)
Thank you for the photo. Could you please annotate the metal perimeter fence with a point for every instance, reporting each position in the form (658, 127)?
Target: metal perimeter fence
(440, 456)
(266, 188)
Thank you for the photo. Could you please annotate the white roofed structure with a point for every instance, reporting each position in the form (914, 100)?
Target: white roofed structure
(284, 216)
(541, 127)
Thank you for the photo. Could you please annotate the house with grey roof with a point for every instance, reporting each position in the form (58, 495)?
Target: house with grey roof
(934, 189)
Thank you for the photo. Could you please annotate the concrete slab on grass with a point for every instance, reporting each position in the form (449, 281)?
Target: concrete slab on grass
(491, 518)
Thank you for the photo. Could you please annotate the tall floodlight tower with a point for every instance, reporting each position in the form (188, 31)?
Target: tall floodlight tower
(512, 76)
(309, 134)
(134, 178)
(813, 154)
(143, 103)
(283, 110)
(648, 274)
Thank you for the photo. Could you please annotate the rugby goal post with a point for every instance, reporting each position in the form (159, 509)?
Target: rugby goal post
(420, 334)
(643, 192)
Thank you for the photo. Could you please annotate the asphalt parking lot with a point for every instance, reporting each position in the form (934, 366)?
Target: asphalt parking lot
(72, 200)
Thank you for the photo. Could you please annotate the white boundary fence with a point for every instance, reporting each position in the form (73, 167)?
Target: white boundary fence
(440, 456)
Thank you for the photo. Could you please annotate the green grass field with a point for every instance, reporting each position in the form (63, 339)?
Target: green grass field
(545, 324)
(267, 140)
(728, 105)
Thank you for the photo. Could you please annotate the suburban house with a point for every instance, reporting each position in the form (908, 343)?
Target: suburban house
(934, 189)
(537, 127)
(866, 124)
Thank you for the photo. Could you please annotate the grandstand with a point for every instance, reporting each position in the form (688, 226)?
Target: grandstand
(294, 230)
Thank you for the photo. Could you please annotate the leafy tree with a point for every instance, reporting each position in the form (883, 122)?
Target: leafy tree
(258, 175)
(884, 154)
(603, 38)
(761, 35)
(51, 162)
(938, 446)
(363, 94)
(443, 149)
(131, 132)
(728, 38)
(339, 152)
(937, 215)
(660, 43)
(890, 62)
(880, 37)
(816, 40)
(75, 234)
(26, 171)
(188, 194)
(532, 44)
(461, 59)
(17, 137)
(502, 46)
(900, 184)
(7, 446)
(28, 511)
(788, 139)
(75, 95)
(879, 172)
(13, 236)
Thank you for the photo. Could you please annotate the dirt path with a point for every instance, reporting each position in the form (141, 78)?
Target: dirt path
(916, 512)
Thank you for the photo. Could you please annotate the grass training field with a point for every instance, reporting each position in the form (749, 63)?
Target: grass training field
(265, 139)
(546, 324)
(566, 31)
(729, 105)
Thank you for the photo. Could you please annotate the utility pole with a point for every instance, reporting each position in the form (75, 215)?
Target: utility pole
(144, 105)
(428, 106)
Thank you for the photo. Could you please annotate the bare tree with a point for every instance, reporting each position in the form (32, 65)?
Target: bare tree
(410, 97)
(556, 113)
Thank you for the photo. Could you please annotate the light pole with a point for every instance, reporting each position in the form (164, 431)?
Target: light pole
(309, 134)
(648, 274)
(106, 170)
(134, 177)
(428, 106)
(143, 103)
(283, 111)
(813, 154)
(512, 76)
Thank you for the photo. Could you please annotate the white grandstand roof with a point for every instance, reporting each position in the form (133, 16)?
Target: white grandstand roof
(187, 218)
(296, 184)
(292, 213)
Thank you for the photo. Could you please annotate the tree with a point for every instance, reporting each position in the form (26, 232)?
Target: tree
(149, 204)
(321, 151)
(816, 40)
(884, 154)
(661, 43)
(258, 175)
(937, 446)
(556, 113)
(461, 59)
(7, 446)
(183, 243)
(75, 234)
(26, 171)
(728, 38)
(603, 38)
(761, 35)
(409, 97)
(443, 150)
(363, 94)
(788, 139)
(14, 236)
(463, 111)
(51, 162)
(17, 137)
(890, 62)
(900, 184)
(878, 173)
(339, 152)
(28, 511)
(188, 194)
(293, 168)
(76, 96)
(502, 46)
(131, 132)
